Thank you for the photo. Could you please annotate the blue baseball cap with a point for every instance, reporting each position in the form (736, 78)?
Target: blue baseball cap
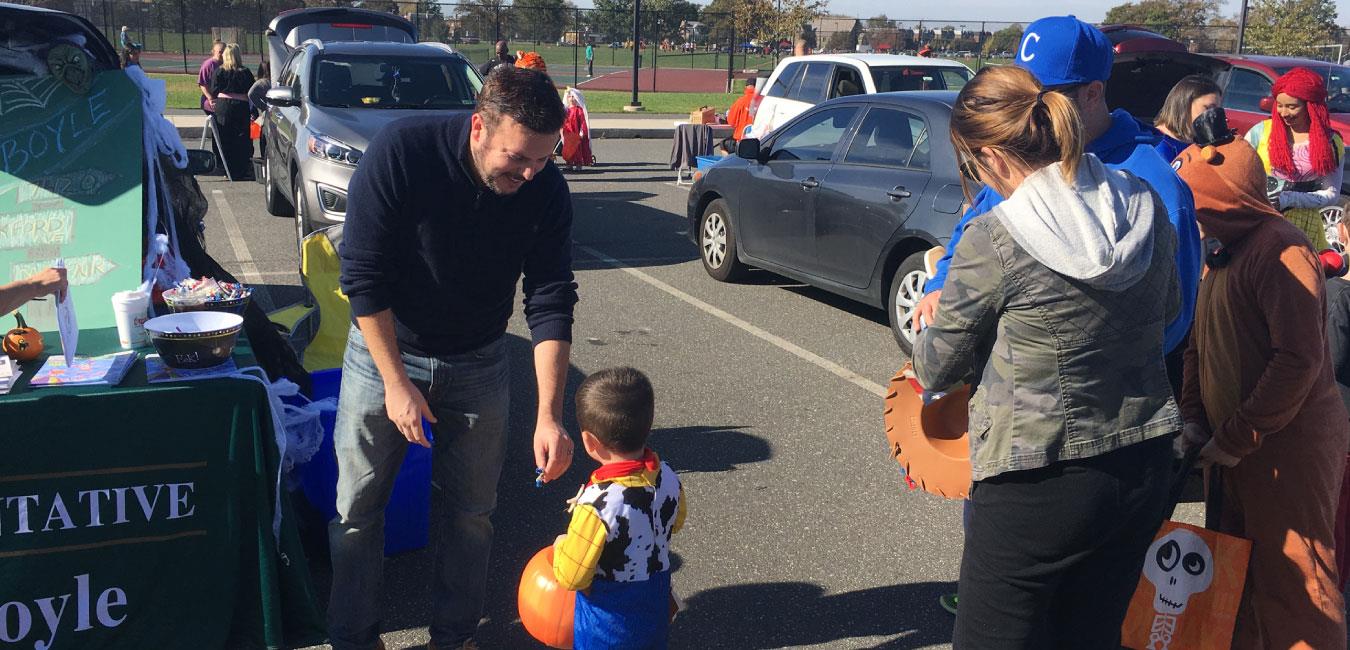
(1063, 50)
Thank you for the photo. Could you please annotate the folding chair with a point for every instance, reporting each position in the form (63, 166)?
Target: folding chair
(319, 332)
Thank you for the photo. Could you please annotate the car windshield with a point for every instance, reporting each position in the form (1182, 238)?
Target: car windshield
(394, 82)
(1338, 84)
(908, 77)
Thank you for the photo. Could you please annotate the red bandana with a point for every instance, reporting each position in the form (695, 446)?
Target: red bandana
(648, 462)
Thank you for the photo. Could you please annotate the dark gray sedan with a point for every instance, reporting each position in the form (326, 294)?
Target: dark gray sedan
(847, 197)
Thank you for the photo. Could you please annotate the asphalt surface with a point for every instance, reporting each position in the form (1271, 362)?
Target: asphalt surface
(800, 530)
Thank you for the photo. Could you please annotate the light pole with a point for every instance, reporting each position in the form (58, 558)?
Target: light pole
(1242, 27)
(636, 105)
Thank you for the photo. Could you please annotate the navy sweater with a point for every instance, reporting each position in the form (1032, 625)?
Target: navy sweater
(424, 239)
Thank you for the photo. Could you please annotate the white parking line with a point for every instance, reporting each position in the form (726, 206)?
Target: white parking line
(248, 271)
(777, 341)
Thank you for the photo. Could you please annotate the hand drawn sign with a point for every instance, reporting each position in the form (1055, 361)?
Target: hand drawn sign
(70, 170)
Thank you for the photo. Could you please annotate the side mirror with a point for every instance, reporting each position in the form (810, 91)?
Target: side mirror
(281, 96)
(201, 161)
(748, 148)
(1265, 104)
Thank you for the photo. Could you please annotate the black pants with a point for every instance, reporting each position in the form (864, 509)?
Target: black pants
(232, 118)
(1053, 555)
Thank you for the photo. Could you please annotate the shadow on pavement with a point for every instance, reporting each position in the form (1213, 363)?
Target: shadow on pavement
(709, 449)
(619, 222)
(790, 614)
(875, 314)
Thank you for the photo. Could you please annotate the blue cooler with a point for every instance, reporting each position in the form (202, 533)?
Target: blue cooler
(407, 517)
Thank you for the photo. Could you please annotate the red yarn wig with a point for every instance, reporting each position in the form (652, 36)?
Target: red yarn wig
(1304, 84)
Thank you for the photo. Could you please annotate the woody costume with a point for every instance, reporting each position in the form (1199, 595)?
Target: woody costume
(616, 555)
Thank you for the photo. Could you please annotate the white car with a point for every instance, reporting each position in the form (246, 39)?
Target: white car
(800, 82)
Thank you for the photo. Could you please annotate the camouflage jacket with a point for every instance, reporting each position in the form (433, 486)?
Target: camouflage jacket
(1060, 370)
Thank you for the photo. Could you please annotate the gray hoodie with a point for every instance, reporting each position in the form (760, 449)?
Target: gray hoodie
(1099, 231)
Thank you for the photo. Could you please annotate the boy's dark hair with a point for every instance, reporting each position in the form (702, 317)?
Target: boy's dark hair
(617, 406)
(526, 96)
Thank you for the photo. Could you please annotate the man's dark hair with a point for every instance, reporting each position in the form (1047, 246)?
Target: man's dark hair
(617, 406)
(526, 96)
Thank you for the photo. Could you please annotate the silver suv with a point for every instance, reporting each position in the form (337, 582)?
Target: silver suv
(329, 101)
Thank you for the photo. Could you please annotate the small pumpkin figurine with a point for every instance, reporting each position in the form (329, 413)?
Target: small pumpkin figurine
(22, 343)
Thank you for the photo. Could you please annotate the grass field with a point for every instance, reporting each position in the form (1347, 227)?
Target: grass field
(183, 93)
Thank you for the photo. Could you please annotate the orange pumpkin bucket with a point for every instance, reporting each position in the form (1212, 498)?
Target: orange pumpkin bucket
(929, 440)
(545, 607)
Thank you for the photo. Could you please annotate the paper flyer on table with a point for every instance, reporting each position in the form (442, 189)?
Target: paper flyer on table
(65, 323)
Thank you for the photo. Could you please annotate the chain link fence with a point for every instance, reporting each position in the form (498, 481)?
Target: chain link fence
(175, 34)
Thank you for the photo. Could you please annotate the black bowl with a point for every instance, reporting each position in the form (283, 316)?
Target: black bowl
(198, 339)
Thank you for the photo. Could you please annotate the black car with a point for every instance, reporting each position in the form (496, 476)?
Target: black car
(847, 196)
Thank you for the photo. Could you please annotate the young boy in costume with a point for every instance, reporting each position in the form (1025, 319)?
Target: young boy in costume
(616, 553)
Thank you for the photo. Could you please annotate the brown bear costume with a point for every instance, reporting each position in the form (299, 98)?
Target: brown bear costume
(1258, 378)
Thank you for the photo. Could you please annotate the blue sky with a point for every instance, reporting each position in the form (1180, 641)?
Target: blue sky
(967, 11)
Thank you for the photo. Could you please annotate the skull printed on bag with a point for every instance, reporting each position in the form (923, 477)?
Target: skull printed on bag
(1179, 564)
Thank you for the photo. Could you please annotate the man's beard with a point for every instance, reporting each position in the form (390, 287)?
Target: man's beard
(490, 181)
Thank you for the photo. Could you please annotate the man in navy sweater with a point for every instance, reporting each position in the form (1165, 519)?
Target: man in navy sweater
(445, 215)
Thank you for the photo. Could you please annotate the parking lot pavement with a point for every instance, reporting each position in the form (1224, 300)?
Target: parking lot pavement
(800, 532)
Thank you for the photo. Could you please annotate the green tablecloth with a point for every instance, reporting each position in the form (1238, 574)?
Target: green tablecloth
(140, 516)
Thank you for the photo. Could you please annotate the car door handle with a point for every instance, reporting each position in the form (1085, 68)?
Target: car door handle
(810, 184)
(898, 193)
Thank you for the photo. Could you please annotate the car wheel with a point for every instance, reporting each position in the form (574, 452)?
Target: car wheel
(905, 292)
(717, 243)
(302, 225)
(275, 199)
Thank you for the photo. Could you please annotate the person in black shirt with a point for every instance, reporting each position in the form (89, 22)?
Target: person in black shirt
(503, 55)
(444, 216)
(230, 85)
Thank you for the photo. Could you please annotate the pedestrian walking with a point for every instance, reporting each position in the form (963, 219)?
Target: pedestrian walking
(576, 132)
(230, 86)
(1056, 302)
(1261, 404)
(1301, 153)
(445, 213)
(590, 60)
(501, 54)
(1187, 100)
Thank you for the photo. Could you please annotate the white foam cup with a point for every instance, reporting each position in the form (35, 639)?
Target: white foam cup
(130, 309)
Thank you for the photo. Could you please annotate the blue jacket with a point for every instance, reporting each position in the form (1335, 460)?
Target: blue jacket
(1129, 146)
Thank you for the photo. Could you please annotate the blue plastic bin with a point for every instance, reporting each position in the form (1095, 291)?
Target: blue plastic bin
(704, 163)
(407, 518)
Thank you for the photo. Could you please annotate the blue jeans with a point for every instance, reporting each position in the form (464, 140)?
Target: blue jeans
(469, 395)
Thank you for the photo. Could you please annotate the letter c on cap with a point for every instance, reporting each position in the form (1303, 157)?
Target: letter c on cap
(1023, 54)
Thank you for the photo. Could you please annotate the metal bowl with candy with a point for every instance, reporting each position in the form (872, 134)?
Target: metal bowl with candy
(205, 294)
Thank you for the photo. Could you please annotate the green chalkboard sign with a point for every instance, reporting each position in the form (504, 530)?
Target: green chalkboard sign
(70, 187)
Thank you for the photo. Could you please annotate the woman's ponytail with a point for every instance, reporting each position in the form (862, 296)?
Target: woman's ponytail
(1066, 129)
(1005, 108)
